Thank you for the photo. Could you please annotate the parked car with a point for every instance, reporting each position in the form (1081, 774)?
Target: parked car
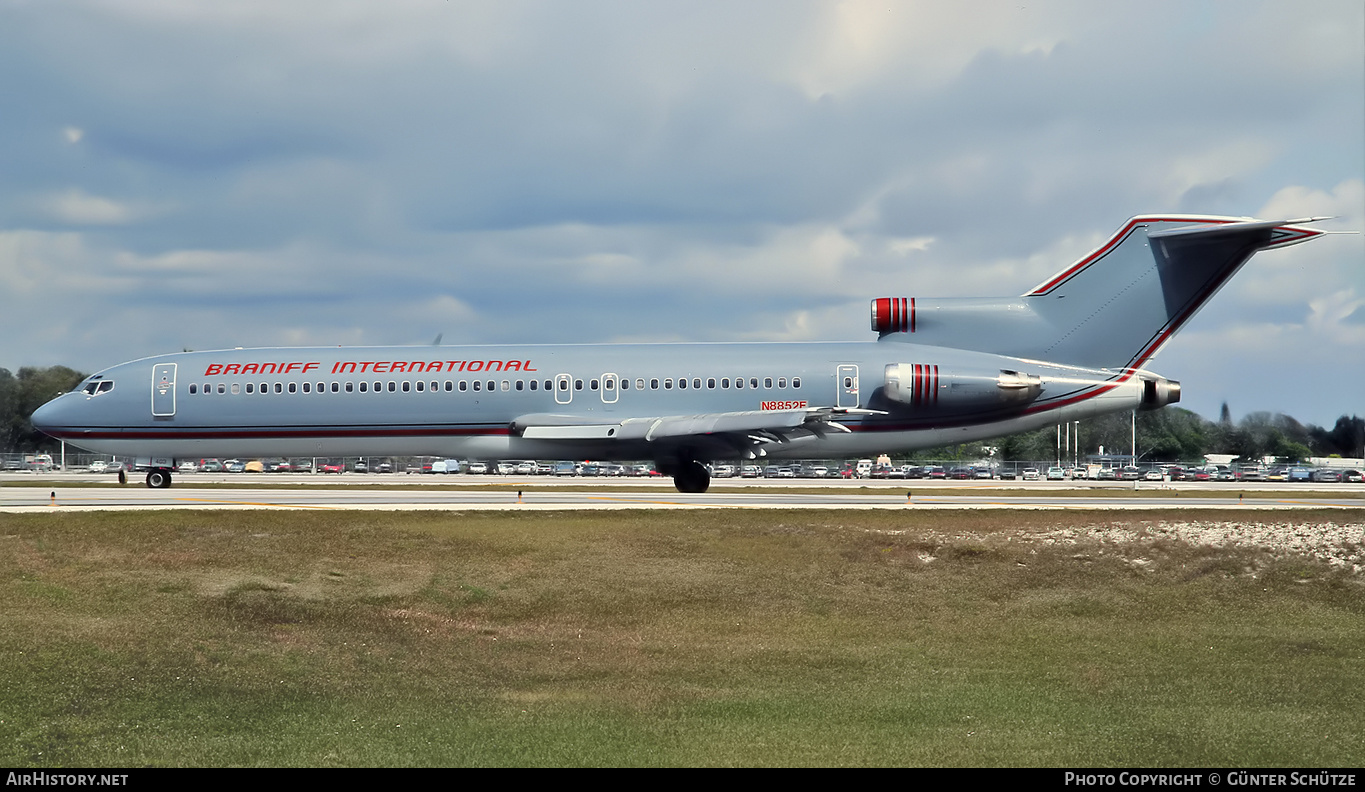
(1055, 473)
(477, 468)
(98, 466)
(234, 466)
(331, 467)
(1030, 474)
(360, 467)
(1300, 473)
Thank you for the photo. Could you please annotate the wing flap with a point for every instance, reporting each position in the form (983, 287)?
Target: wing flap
(742, 428)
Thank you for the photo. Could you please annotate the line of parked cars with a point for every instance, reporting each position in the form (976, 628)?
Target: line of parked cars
(807, 470)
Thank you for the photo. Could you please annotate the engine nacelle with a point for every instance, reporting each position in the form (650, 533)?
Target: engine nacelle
(925, 385)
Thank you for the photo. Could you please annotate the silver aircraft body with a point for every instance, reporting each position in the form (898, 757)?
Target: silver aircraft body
(940, 371)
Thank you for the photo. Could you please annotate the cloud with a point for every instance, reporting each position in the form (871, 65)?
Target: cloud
(76, 207)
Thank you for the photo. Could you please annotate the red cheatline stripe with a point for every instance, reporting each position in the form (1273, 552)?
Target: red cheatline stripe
(912, 314)
(935, 384)
(77, 434)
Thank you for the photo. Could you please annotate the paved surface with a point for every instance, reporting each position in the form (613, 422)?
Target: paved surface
(65, 492)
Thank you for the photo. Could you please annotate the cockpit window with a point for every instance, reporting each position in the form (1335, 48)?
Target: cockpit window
(96, 387)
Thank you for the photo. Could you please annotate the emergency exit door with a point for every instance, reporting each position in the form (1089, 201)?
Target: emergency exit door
(846, 385)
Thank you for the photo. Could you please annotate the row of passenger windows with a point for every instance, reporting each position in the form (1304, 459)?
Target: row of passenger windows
(607, 383)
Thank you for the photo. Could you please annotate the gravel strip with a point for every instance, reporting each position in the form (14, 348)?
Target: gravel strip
(1340, 545)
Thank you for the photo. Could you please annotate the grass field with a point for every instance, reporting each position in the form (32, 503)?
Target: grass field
(725, 637)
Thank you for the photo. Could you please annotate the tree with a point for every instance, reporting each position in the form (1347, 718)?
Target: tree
(21, 395)
(1346, 439)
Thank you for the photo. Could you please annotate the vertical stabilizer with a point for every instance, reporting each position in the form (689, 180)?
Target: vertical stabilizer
(1113, 309)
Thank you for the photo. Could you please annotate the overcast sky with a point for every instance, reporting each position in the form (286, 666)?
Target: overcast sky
(204, 175)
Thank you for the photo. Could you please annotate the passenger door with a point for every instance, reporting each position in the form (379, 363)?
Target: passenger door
(163, 390)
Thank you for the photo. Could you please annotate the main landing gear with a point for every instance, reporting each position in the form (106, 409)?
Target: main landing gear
(158, 479)
(691, 476)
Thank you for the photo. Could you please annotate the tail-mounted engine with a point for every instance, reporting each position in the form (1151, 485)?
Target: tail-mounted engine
(925, 385)
(1157, 393)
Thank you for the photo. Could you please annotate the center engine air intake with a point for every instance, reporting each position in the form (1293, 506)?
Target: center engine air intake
(924, 385)
(893, 315)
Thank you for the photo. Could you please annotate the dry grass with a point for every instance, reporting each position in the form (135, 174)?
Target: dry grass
(665, 638)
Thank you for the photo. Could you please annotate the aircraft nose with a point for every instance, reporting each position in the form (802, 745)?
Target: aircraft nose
(49, 417)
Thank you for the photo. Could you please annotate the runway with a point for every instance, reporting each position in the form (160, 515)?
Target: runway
(398, 493)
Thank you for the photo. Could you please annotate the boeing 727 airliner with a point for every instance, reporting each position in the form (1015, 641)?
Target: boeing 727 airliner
(941, 371)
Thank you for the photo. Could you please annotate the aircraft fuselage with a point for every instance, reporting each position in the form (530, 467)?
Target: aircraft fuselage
(466, 401)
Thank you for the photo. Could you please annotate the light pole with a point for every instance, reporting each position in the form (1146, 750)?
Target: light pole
(1133, 457)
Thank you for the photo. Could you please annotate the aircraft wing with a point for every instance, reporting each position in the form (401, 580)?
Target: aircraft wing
(727, 431)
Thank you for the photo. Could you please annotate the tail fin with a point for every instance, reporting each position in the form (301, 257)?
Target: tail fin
(1116, 307)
